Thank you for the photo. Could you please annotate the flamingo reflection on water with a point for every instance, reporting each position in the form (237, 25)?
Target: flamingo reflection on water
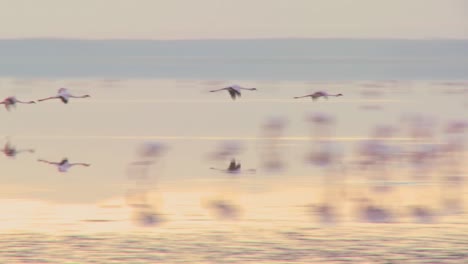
(224, 210)
(64, 165)
(326, 213)
(234, 167)
(318, 94)
(373, 214)
(226, 149)
(64, 95)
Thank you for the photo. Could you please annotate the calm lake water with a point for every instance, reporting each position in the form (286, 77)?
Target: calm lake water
(302, 194)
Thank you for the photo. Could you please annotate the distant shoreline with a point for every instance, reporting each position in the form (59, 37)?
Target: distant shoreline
(235, 39)
(237, 59)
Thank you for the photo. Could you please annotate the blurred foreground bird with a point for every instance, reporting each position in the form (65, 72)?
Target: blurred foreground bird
(12, 101)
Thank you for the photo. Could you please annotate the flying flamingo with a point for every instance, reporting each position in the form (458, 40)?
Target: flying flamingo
(234, 167)
(11, 151)
(234, 90)
(64, 165)
(11, 102)
(318, 94)
(64, 95)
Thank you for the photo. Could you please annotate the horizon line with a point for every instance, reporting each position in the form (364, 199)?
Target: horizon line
(231, 39)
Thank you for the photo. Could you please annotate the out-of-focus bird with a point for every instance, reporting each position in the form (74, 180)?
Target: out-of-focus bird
(325, 213)
(224, 210)
(226, 149)
(422, 214)
(373, 214)
(12, 101)
(11, 151)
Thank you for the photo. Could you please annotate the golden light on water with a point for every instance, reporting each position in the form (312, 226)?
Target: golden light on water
(265, 179)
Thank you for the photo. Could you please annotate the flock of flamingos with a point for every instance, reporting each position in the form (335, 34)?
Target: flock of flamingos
(375, 154)
(64, 95)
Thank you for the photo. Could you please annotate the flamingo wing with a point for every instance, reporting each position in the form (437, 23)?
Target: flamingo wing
(297, 97)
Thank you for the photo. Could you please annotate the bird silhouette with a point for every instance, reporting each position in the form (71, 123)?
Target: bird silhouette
(64, 165)
(318, 94)
(234, 167)
(64, 95)
(234, 90)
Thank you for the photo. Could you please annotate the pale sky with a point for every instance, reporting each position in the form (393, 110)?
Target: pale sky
(186, 19)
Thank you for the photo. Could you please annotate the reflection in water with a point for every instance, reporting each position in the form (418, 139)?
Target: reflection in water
(226, 149)
(326, 155)
(224, 209)
(372, 93)
(396, 180)
(368, 212)
(223, 205)
(140, 197)
(423, 215)
(148, 217)
(271, 151)
(452, 163)
(316, 95)
(326, 213)
(64, 165)
(234, 167)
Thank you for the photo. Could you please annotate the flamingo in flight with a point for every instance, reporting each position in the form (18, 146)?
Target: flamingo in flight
(234, 167)
(234, 90)
(319, 94)
(12, 101)
(64, 95)
(64, 165)
(11, 151)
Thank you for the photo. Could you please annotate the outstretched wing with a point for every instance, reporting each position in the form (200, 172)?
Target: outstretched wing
(297, 97)
(48, 162)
